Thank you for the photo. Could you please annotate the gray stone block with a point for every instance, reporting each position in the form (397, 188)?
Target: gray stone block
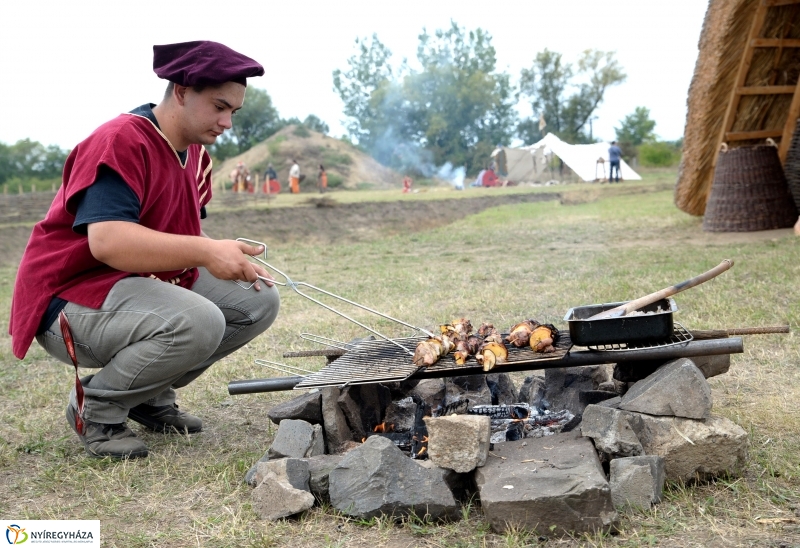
(401, 414)
(563, 386)
(637, 481)
(337, 432)
(472, 387)
(532, 391)
(294, 471)
(550, 485)
(711, 366)
(611, 432)
(431, 391)
(378, 478)
(676, 389)
(250, 476)
(502, 389)
(296, 439)
(306, 407)
(459, 443)
(319, 468)
(692, 449)
(364, 406)
(274, 499)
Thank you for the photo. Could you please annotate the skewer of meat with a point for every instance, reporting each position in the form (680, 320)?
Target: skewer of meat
(520, 334)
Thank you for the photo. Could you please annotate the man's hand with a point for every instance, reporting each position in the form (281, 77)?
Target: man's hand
(227, 261)
(131, 247)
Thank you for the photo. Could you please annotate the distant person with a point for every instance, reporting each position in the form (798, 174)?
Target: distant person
(242, 180)
(294, 177)
(322, 179)
(614, 157)
(490, 177)
(407, 183)
(271, 184)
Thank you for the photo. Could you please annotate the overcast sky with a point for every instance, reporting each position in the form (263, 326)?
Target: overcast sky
(68, 66)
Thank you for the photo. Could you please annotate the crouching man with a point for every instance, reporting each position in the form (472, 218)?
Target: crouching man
(119, 275)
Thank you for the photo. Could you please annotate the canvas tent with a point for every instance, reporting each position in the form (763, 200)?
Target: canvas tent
(528, 164)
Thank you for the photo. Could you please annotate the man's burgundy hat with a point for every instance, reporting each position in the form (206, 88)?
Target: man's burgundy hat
(203, 63)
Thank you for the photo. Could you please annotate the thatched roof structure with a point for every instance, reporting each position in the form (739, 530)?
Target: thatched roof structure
(744, 90)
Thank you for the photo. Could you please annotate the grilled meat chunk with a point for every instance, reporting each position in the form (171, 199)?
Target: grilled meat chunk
(491, 354)
(543, 337)
(520, 334)
(430, 350)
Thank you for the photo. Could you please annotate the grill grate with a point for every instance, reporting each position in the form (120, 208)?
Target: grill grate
(382, 361)
(680, 335)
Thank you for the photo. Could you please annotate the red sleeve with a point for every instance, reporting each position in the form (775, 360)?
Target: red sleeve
(123, 151)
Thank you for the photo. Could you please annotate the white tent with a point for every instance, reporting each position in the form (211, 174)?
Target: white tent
(589, 162)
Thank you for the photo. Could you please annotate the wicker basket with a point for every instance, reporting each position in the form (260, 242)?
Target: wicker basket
(749, 192)
(792, 166)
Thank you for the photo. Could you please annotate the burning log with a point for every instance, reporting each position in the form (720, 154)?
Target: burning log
(517, 421)
(516, 411)
(457, 407)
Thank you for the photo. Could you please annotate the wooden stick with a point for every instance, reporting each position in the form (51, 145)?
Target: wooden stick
(704, 334)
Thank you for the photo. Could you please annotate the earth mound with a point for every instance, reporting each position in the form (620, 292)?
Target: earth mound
(347, 167)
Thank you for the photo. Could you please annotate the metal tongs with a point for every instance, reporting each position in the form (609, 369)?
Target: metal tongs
(291, 284)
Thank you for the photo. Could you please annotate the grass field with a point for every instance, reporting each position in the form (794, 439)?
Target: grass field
(596, 244)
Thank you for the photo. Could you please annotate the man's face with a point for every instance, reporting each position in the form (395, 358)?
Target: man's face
(206, 115)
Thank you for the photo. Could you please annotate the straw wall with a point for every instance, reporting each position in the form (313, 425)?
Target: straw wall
(721, 45)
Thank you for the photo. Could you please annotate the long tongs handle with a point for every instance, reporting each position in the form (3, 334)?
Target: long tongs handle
(294, 286)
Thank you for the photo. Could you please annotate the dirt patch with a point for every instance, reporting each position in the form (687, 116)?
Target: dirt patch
(327, 222)
(324, 220)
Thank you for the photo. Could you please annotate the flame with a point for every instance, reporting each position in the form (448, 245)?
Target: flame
(384, 428)
(421, 451)
(363, 440)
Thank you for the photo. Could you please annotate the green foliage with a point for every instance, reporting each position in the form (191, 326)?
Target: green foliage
(31, 184)
(369, 70)
(438, 113)
(257, 120)
(301, 131)
(659, 154)
(274, 146)
(31, 160)
(566, 96)
(314, 123)
(637, 128)
(335, 180)
(332, 158)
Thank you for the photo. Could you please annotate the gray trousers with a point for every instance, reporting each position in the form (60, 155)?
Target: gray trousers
(151, 337)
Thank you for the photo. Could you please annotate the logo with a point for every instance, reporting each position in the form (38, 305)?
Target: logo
(16, 534)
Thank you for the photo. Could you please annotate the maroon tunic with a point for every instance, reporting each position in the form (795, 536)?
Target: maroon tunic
(57, 260)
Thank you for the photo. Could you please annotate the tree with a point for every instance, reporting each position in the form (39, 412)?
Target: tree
(459, 103)
(565, 95)
(369, 72)
(313, 122)
(28, 159)
(255, 121)
(637, 128)
(455, 106)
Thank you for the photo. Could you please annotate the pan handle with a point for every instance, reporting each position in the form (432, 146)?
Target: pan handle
(627, 308)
